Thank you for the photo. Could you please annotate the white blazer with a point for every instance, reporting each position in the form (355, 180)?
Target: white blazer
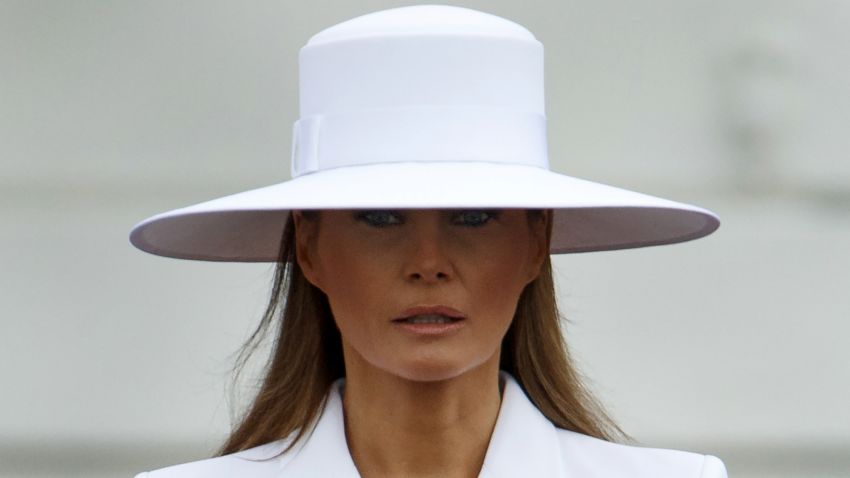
(524, 443)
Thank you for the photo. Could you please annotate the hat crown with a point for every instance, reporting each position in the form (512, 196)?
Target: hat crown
(422, 83)
(423, 19)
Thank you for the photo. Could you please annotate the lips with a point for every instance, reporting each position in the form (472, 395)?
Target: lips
(429, 311)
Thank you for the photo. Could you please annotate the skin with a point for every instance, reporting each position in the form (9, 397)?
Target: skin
(419, 406)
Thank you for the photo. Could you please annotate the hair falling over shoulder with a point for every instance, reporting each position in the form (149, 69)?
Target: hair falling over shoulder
(306, 358)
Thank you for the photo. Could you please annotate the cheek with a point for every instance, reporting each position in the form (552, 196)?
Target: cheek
(343, 264)
(355, 288)
(506, 262)
(501, 286)
(500, 279)
(343, 277)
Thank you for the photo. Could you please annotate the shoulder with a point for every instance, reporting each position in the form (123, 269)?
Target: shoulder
(590, 457)
(258, 462)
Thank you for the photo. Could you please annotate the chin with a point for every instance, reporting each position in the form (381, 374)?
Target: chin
(433, 369)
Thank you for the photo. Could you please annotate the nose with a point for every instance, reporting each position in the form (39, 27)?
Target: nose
(428, 258)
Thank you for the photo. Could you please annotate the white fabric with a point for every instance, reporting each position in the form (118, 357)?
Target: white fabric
(588, 216)
(399, 58)
(420, 83)
(425, 106)
(322, 142)
(524, 443)
(423, 20)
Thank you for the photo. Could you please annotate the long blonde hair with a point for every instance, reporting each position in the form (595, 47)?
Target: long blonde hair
(306, 358)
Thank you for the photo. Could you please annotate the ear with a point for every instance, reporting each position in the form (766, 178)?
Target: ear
(305, 240)
(541, 234)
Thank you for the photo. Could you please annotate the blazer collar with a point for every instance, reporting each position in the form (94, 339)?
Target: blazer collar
(524, 442)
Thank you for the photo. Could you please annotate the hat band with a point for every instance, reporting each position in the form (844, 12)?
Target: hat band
(419, 134)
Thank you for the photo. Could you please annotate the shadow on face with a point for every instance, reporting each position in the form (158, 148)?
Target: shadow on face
(374, 265)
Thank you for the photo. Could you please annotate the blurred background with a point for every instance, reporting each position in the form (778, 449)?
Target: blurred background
(114, 361)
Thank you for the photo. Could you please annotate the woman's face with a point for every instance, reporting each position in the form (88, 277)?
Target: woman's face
(377, 266)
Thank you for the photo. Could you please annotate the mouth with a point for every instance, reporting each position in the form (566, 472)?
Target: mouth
(430, 315)
(428, 319)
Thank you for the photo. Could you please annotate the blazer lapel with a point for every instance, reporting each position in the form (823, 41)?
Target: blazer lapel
(524, 442)
(325, 452)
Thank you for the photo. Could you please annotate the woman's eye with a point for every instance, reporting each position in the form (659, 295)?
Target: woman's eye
(474, 218)
(379, 218)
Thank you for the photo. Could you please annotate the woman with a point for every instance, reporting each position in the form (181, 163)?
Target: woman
(418, 333)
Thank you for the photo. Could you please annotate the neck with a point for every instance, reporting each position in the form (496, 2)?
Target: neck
(400, 427)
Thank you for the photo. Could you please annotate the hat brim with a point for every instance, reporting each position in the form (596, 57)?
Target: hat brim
(588, 216)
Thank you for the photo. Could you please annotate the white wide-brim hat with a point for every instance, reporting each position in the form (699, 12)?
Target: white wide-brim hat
(428, 106)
